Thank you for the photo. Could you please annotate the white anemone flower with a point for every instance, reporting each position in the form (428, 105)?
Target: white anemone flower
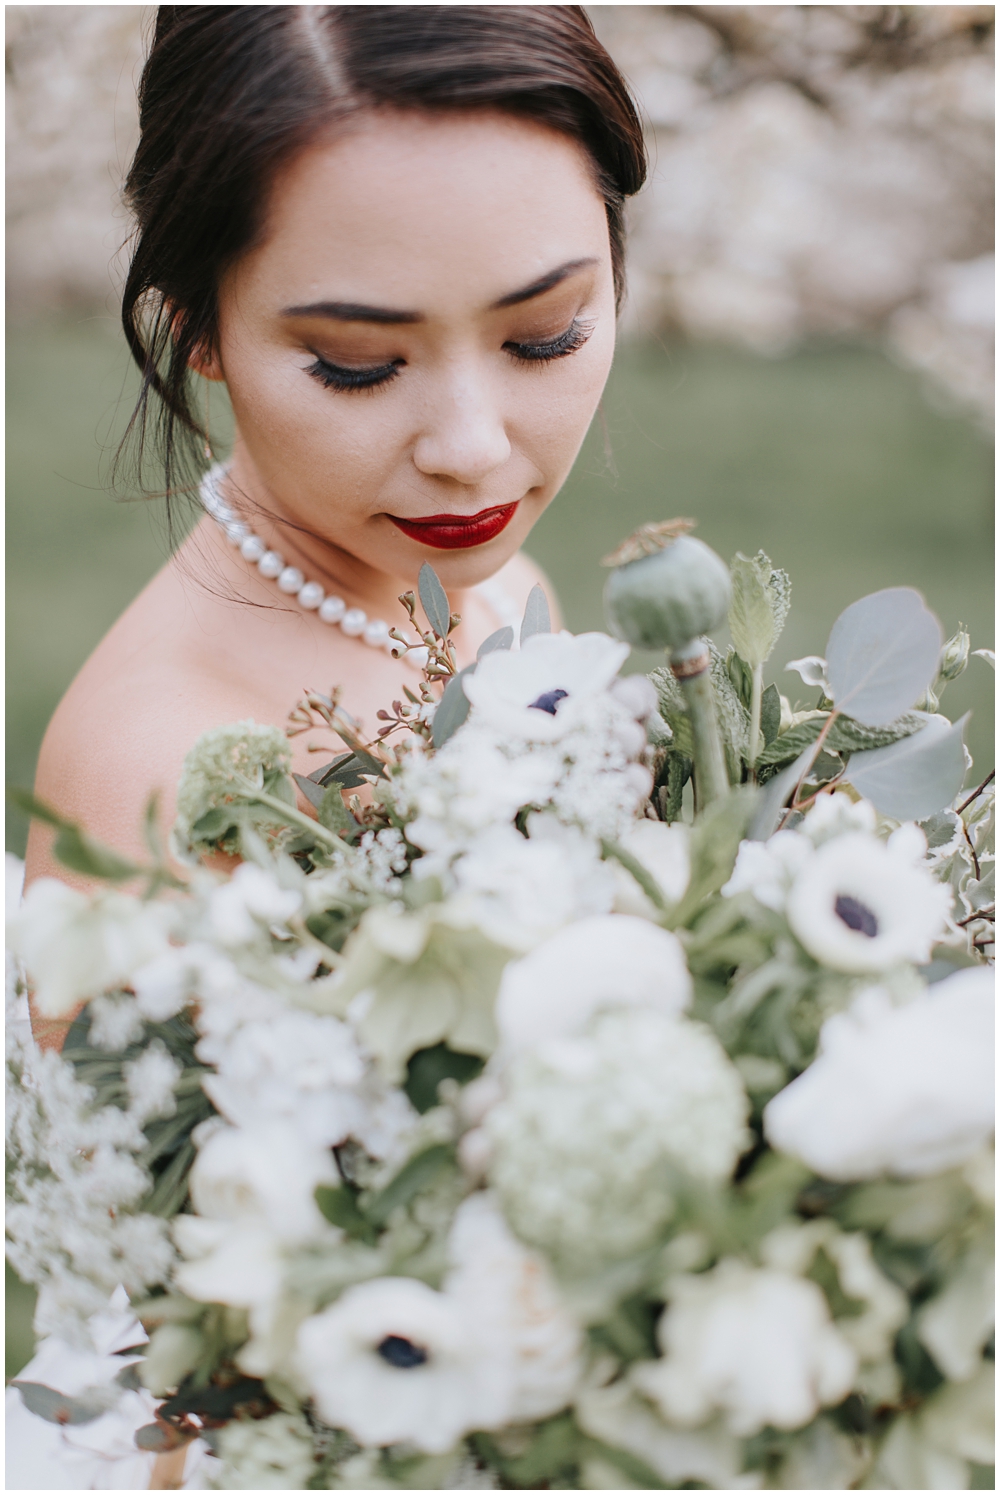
(859, 905)
(902, 1090)
(768, 869)
(540, 692)
(393, 1361)
(755, 1344)
(611, 960)
(76, 946)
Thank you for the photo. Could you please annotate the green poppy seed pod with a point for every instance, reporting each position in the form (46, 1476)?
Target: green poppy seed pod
(666, 599)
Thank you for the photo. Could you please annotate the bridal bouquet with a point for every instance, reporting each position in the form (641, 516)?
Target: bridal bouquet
(586, 1083)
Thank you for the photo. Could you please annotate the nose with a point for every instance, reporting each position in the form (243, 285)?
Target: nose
(463, 437)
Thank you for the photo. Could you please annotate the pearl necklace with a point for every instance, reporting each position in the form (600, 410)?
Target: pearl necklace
(328, 607)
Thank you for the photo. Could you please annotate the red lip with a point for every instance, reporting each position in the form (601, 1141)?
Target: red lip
(457, 531)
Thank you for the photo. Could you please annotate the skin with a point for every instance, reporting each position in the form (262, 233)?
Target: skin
(443, 217)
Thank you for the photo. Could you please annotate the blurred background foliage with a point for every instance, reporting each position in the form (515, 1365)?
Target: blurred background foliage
(806, 355)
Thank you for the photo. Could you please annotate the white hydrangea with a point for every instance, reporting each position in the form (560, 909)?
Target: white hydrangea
(520, 889)
(904, 1090)
(394, 1361)
(272, 1453)
(75, 945)
(752, 1343)
(249, 903)
(664, 852)
(72, 1186)
(609, 960)
(591, 1125)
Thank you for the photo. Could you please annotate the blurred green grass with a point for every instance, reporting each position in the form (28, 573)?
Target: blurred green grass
(830, 459)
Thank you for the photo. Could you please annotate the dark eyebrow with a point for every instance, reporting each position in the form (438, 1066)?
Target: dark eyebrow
(539, 287)
(350, 311)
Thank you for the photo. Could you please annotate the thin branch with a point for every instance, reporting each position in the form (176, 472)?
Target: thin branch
(976, 792)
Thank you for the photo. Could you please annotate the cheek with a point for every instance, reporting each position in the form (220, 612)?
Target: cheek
(557, 405)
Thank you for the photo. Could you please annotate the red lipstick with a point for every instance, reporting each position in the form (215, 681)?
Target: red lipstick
(457, 531)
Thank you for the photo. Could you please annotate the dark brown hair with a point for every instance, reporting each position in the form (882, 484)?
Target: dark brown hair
(230, 92)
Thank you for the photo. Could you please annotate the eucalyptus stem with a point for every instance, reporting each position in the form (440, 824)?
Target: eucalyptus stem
(321, 833)
(711, 781)
(756, 695)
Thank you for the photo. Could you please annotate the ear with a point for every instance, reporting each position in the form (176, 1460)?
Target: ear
(204, 360)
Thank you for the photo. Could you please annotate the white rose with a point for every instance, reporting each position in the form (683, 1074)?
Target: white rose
(902, 1090)
(609, 960)
(754, 1344)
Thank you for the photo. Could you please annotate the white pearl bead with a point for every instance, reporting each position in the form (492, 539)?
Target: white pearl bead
(376, 633)
(237, 532)
(353, 622)
(271, 564)
(291, 580)
(252, 548)
(223, 513)
(311, 595)
(332, 609)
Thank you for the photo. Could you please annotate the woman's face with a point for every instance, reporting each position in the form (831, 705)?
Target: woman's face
(422, 333)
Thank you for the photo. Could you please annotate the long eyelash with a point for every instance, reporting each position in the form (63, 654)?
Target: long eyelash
(567, 342)
(332, 376)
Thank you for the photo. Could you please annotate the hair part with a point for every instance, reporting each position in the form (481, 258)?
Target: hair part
(229, 93)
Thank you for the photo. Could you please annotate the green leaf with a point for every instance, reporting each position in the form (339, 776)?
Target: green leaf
(81, 853)
(882, 654)
(428, 1067)
(502, 639)
(731, 715)
(340, 1207)
(910, 780)
(452, 709)
(313, 792)
(679, 771)
(757, 613)
(741, 675)
(715, 840)
(37, 808)
(159, 1437)
(770, 714)
(347, 771)
(673, 710)
(64, 1411)
(417, 1174)
(845, 736)
(536, 614)
(214, 824)
(647, 882)
(334, 814)
(434, 600)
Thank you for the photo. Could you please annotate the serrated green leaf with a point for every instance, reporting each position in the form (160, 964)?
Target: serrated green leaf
(732, 716)
(334, 814)
(770, 714)
(536, 614)
(673, 710)
(757, 613)
(434, 600)
(452, 709)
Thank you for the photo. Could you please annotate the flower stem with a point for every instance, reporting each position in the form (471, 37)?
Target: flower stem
(711, 781)
(272, 801)
(756, 692)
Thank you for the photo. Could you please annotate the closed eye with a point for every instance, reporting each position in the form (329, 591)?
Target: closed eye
(335, 376)
(567, 342)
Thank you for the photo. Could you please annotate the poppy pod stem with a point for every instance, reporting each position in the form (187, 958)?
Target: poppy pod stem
(690, 666)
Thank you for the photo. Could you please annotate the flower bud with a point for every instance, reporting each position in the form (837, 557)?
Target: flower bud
(954, 656)
(668, 597)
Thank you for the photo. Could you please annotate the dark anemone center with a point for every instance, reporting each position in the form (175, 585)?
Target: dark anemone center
(856, 916)
(549, 701)
(402, 1353)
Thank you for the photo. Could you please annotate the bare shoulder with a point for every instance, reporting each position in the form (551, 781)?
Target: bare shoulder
(520, 574)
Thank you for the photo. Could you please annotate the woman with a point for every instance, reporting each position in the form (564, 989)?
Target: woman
(395, 234)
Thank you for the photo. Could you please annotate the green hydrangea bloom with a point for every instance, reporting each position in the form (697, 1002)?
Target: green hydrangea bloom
(226, 765)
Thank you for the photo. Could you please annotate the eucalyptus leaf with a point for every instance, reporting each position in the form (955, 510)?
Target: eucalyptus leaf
(882, 654)
(452, 709)
(63, 1410)
(313, 792)
(434, 600)
(911, 779)
(340, 1207)
(502, 639)
(759, 607)
(348, 770)
(537, 618)
(770, 714)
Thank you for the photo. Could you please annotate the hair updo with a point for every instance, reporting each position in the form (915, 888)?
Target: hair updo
(230, 92)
